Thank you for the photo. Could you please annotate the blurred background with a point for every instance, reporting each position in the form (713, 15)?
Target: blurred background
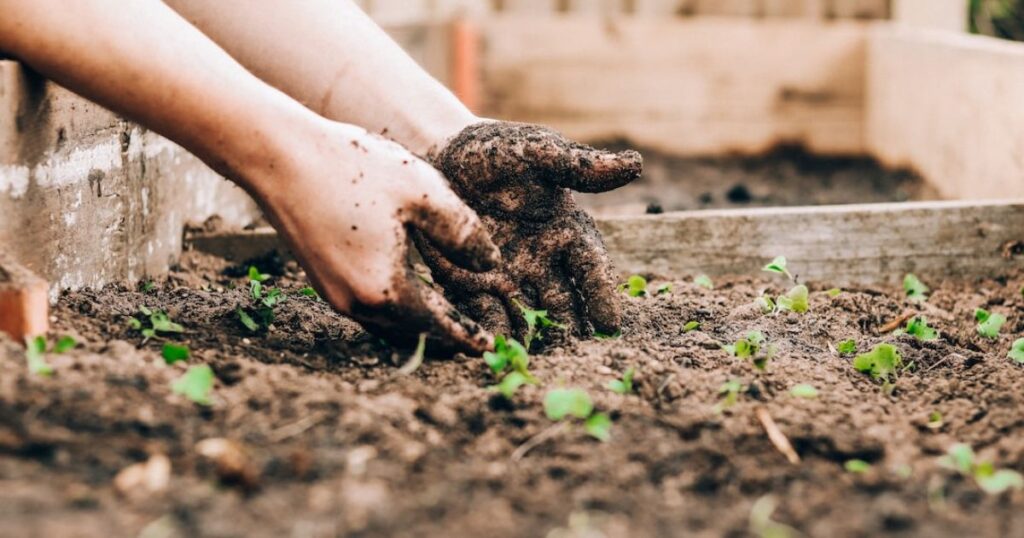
(998, 18)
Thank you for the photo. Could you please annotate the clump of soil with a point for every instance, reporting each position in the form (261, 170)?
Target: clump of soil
(785, 176)
(336, 443)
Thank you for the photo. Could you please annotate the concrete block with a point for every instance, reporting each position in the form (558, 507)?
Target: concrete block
(24, 304)
(948, 15)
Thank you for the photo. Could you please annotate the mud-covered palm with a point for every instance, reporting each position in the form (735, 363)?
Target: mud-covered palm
(518, 177)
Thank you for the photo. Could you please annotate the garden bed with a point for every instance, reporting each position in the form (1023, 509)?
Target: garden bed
(339, 443)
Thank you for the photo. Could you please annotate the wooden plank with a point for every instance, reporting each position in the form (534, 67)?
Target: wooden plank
(838, 245)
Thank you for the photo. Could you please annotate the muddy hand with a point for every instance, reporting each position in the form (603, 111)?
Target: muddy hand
(345, 202)
(518, 178)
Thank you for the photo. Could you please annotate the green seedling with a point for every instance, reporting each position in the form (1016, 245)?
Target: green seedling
(624, 385)
(778, 265)
(64, 344)
(509, 357)
(730, 394)
(510, 384)
(560, 404)
(882, 362)
(159, 322)
(416, 360)
(173, 353)
(761, 523)
(961, 458)
(310, 292)
(834, 292)
(195, 384)
(148, 286)
(598, 335)
(803, 390)
(795, 300)
(752, 347)
(847, 347)
(664, 289)
(537, 322)
(765, 303)
(691, 326)
(914, 289)
(918, 328)
(989, 323)
(260, 314)
(935, 420)
(35, 351)
(857, 466)
(704, 281)
(635, 286)
(1016, 353)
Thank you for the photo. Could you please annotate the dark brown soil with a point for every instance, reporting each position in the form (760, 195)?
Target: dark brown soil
(786, 176)
(339, 445)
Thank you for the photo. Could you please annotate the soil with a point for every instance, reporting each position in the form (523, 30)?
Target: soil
(330, 440)
(785, 176)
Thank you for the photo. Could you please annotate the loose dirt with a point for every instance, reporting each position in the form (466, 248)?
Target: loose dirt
(326, 439)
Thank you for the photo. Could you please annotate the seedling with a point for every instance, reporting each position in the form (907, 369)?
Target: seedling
(64, 344)
(857, 466)
(730, 394)
(704, 281)
(778, 265)
(509, 357)
(803, 390)
(914, 289)
(918, 328)
(847, 347)
(537, 322)
(1016, 353)
(635, 286)
(510, 384)
(195, 384)
(834, 292)
(261, 313)
(598, 335)
(148, 286)
(989, 323)
(173, 353)
(624, 385)
(935, 420)
(576, 403)
(159, 322)
(35, 353)
(765, 303)
(664, 289)
(761, 523)
(752, 347)
(795, 300)
(691, 326)
(882, 362)
(310, 292)
(961, 458)
(416, 360)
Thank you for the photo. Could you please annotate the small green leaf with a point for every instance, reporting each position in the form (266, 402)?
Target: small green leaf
(255, 275)
(881, 362)
(134, 324)
(796, 300)
(173, 353)
(510, 384)
(145, 311)
(195, 384)
(980, 314)
(766, 304)
(163, 324)
(847, 347)
(834, 292)
(147, 334)
(35, 351)
(599, 426)
(691, 326)
(148, 286)
(247, 320)
(1016, 353)
(935, 420)
(778, 265)
(960, 458)
(918, 328)
(704, 281)
(635, 286)
(310, 292)
(804, 390)
(537, 322)
(990, 325)
(624, 385)
(664, 289)
(64, 344)
(730, 393)
(598, 335)
(915, 289)
(999, 481)
(857, 466)
(560, 403)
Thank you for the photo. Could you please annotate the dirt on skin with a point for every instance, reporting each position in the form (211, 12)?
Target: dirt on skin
(338, 444)
(785, 176)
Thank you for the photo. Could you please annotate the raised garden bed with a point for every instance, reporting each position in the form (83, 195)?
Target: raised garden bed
(338, 442)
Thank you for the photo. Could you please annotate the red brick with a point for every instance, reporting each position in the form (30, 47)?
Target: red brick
(24, 304)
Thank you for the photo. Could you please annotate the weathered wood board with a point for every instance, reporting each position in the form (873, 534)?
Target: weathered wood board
(840, 245)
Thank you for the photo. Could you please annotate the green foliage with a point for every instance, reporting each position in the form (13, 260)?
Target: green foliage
(704, 281)
(510, 384)
(989, 323)
(1016, 353)
(765, 303)
(778, 265)
(256, 276)
(64, 344)
(795, 300)
(260, 314)
(195, 384)
(752, 347)
(35, 349)
(935, 420)
(635, 286)
(857, 466)
(598, 335)
(918, 328)
(691, 326)
(803, 390)
(599, 426)
(509, 357)
(148, 286)
(998, 18)
(914, 289)
(310, 292)
(624, 385)
(173, 353)
(847, 347)
(961, 458)
(730, 394)
(537, 322)
(761, 523)
(834, 292)
(664, 289)
(882, 362)
(560, 404)
(158, 322)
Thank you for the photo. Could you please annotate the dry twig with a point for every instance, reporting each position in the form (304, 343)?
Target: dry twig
(776, 436)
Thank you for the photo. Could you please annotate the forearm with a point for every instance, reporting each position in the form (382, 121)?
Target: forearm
(331, 57)
(141, 59)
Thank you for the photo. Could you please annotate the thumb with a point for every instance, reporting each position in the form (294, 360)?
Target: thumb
(455, 230)
(594, 170)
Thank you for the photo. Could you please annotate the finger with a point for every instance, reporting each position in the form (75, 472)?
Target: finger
(592, 271)
(594, 170)
(455, 229)
(489, 311)
(557, 297)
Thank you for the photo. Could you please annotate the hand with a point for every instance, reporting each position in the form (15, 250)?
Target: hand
(517, 177)
(343, 200)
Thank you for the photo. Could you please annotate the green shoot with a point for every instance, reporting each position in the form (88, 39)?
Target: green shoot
(881, 362)
(804, 390)
(159, 322)
(704, 281)
(834, 292)
(730, 393)
(857, 466)
(961, 458)
(915, 290)
(148, 286)
(598, 335)
(989, 324)
(599, 426)
(635, 286)
(173, 353)
(795, 300)
(247, 320)
(537, 321)
(752, 347)
(260, 315)
(847, 347)
(35, 349)
(64, 344)
(691, 326)
(918, 328)
(511, 362)
(510, 384)
(416, 360)
(765, 303)
(195, 384)
(310, 292)
(624, 385)
(1016, 353)
(576, 403)
(935, 420)
(664, 289)
(778, 265)
(761, 523)
(256, 276)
